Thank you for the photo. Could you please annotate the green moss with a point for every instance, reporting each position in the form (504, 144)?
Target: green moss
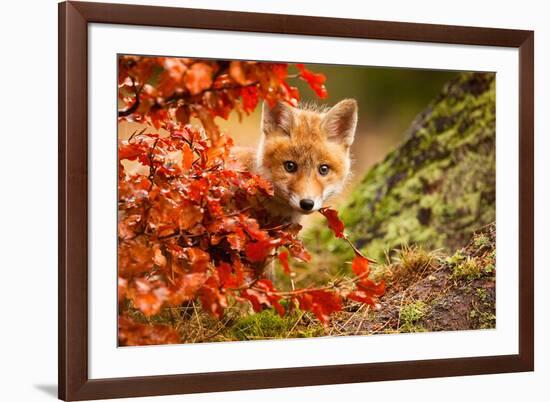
(482, 294)
(410, 316)
(266, 324)
(456, 258)
(482, 241)
(309, 332)
(468, 269)
(487, 320)
(484, 319)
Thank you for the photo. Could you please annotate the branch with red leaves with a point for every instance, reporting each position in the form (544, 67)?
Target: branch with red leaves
(156, 90)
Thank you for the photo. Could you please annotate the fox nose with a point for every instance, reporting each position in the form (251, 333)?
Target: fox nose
(307, 204)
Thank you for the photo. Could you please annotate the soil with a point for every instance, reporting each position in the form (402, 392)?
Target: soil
(439, 298)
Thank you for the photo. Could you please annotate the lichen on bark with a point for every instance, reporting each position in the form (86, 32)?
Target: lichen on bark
(435, 189)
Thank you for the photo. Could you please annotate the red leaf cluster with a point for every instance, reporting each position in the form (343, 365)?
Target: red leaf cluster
(131, 333)
(322, 303)
(315, 80)
(283, 259)
(263, 295)
(186, 230)
(366, 290)
(157, 90)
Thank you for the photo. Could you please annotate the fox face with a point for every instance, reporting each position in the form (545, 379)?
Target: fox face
(305, 153)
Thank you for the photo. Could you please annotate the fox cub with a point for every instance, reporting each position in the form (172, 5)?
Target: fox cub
(304, 153)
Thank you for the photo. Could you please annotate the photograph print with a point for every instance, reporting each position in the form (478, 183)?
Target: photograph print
(263, 200)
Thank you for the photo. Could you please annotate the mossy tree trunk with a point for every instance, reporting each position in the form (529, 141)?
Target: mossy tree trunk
(436, 188)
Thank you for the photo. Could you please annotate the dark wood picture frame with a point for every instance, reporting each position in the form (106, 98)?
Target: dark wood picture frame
(74, 382)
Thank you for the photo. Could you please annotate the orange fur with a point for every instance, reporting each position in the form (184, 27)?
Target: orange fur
(309, 139)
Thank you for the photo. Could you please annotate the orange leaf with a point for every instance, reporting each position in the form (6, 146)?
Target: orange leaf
(283, 258)
(198, 78)
(131, 333)
(259, 251)
(187, 157)
(334, 223)
(322, 303)
(360, 265)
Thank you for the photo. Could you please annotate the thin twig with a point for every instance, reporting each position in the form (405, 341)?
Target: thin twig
(295, 324)
(130, 110)
(400, 306)
(365, 315)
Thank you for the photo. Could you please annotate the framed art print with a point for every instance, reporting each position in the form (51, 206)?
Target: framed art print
(256, 201)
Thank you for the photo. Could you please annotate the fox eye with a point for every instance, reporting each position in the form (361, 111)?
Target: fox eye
(323, 170)
(290, 166)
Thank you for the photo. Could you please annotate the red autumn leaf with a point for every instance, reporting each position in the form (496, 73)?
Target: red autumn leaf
(258, 251)
(290, 94)
(322, 303)
(237, 239)
(157, 116)
(283, 258)
(258, 299)
(375, 289)
(198, 259)
(147, 296)
(239, 271)
(263, 295)
(197, 189)
(212, 299)
(186, 288)
(198, 77)
(134, 151)
(367, 291)
(360, 266)
(256, 185)
(189, 216)
(224, 273)
(206, 118)
(252, 228)
(182, 115)
(250, 98)
(362, 297)
(129, 226)
(122, 286)
(334, 223)
(135, 257)
(241, 72)
(131, 333)
(187, 157)
(299, 252)
(315, 80)
(222, 81)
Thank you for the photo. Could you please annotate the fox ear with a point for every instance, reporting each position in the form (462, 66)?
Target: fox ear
(340, 122)
(278, 118)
